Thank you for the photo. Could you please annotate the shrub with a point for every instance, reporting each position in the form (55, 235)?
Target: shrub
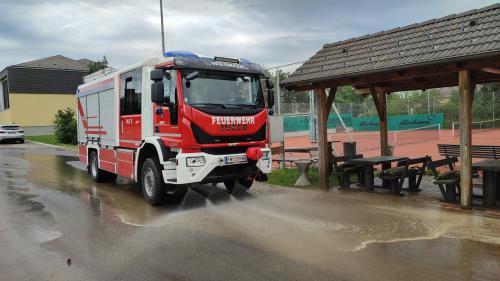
(65, 126)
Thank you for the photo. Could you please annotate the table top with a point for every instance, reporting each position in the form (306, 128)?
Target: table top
(301, 149)
(376, 160)
(487, 165)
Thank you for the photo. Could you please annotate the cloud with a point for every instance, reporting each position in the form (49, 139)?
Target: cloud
(269, 32)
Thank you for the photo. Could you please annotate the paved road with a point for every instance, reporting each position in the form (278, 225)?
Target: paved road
(56, 224)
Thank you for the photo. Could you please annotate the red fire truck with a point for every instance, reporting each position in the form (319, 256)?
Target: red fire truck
(172, 121)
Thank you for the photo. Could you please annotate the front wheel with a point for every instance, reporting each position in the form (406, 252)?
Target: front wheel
(153, 188)
(229, 184)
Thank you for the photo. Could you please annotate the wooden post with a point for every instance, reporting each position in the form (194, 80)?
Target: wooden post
(380, 101)
(384, 138)
(323, 139)
(466, 91)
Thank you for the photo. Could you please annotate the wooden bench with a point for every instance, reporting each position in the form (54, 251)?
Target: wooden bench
(448, 181)
(396, 176)
(478, 151)
(280, 150)
(416, 171)
(343, 171)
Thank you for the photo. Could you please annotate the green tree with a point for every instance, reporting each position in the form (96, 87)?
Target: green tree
(98, 65)
(65, 126)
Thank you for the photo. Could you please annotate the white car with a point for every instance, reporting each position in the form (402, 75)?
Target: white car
(11, 132)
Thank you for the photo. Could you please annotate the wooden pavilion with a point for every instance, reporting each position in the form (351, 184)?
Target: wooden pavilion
(460, 49)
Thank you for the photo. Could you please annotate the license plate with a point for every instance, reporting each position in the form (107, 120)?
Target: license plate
(12, 133)
(235, 159)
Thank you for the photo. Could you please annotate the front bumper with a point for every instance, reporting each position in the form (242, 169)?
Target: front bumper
(214, 169)
(7, 136)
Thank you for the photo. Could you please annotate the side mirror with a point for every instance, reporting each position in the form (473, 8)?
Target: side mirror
(156, 75)
(157, 94)
(269, 83)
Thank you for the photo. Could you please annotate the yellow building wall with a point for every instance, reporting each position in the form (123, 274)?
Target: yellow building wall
(5, 117)
(38, 109)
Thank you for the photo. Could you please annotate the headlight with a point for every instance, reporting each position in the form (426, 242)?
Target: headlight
(195, 161)
(265, 155)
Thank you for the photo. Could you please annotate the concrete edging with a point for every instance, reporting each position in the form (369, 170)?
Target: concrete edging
(51, 145)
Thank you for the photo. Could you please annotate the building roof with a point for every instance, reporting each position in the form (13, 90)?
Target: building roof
(57, 62)
(455, 37)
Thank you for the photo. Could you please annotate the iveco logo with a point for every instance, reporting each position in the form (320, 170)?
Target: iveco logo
(233, 123)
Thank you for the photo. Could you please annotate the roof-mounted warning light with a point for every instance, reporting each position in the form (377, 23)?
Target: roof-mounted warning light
(181, 54)
(227, 60)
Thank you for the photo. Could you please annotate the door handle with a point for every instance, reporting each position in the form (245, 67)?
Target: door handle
(121, 127)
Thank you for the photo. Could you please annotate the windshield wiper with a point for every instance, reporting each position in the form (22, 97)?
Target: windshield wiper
(253, 106)
(207, 104)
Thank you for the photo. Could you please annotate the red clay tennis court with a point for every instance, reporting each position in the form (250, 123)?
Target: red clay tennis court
(412, 143)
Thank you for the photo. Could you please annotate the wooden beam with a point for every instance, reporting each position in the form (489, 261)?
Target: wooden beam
(466, 91)
(491, 70)
(384, 136)
(376, 102)
(380, 100)
(438, 81)
(323, 138)
(330, 99)
(400, 74)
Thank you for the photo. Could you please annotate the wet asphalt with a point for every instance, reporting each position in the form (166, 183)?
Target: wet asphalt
(56, 224)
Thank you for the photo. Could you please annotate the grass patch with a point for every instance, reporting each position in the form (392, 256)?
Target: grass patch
(50, 139)
(288, 177)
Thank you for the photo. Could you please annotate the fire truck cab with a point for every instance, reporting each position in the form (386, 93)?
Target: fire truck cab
(176, 120)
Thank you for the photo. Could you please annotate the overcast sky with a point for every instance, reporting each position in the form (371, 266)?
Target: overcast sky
(266, 31)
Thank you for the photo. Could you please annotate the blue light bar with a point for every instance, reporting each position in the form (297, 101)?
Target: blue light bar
(181, 54)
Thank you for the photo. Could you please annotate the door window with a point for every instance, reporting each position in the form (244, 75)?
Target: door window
(170, 86)
(130, 96)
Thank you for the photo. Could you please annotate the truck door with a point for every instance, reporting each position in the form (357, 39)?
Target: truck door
(130, 108)
(166, 115)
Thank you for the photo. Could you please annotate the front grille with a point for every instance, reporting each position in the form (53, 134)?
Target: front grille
(10, 128)
(204, 138)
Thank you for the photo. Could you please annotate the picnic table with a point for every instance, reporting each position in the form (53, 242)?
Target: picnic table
(491, 180)
(306, 149)
(368, 170)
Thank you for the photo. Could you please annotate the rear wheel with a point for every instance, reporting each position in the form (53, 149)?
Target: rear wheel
(96, 173)
(229, 184)
(153, 188)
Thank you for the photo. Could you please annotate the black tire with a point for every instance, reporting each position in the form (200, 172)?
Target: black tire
(229, 184)
(94, 171)
(21, 141)
(97, 174)
(153, 187)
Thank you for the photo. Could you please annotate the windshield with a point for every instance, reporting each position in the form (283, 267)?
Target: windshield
(223, 90)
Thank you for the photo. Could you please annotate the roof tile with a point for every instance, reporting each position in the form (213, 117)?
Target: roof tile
(451, 37)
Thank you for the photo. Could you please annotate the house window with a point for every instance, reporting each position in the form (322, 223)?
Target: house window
(131, 92)
(4, 95)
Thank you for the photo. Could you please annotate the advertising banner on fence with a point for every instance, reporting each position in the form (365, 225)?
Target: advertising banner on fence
(301, 122)
(398, 122)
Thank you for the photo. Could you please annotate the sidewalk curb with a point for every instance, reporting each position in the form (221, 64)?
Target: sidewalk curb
(51, 145)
